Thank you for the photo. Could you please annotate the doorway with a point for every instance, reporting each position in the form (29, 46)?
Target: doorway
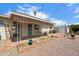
(29, 29)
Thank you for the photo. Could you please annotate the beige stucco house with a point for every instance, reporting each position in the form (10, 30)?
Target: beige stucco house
(22, 26)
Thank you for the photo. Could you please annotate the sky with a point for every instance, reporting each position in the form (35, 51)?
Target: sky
(60, 13)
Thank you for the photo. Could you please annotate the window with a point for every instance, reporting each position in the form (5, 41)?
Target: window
(36, 27)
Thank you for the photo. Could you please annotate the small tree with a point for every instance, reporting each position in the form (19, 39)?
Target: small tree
(74, 28)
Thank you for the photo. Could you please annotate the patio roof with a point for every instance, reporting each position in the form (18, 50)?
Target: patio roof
(31, 17)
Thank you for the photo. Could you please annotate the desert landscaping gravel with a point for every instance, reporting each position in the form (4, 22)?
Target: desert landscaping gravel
(50, 47)
(55, 47)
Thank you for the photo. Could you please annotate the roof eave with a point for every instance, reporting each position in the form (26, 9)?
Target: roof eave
(32, 17)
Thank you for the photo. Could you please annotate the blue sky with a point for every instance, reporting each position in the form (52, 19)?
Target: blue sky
(61, 13)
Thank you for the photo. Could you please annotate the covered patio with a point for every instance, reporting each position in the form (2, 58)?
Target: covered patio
(26, 27)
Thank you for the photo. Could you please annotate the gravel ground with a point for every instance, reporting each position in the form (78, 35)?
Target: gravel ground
(49, 47)
(54, 47)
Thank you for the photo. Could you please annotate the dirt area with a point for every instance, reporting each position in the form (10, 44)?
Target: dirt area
(55, 45)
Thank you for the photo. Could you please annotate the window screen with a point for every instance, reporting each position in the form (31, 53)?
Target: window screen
(36, 27)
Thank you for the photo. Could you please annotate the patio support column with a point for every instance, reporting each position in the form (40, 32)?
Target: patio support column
(17, 33)
(41, 31)
(20, 30)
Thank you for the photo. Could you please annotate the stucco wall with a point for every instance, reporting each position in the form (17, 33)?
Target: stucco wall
(2, 33)
(26, 21)
(36, 32)
(24, 29)
(6, 21)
